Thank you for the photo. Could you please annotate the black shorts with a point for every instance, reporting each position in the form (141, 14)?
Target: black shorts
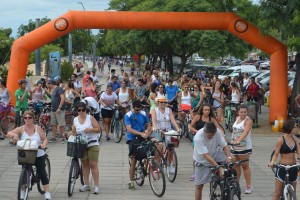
(280, 174)
(97, 116)
(107, 113)
(132, 145)
(244, 152)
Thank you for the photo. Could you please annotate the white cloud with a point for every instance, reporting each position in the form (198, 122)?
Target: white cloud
(16, 12)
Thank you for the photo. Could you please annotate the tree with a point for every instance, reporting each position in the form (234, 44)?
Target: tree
(5, 44)
(293, 109)
(45, 51)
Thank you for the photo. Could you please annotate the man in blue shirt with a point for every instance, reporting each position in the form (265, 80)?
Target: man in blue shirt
(136, 122)
(114, 83)
(172, 93)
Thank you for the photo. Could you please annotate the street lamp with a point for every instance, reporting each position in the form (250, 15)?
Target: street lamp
(82, 5)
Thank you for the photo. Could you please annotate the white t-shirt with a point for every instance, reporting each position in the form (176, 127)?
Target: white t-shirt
(109, 100)
(87, 124)
(95, 78)
(203, 145)
(93, 103)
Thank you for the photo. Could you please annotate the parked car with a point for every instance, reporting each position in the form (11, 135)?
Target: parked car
(234, 71)
(231, 61)
(200, 59)
(266, 81)
(264, 65)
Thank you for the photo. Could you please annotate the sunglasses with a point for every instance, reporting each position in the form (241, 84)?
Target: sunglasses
(81, 110)
(27, 117)
(163, 102)
(137, 109)
(186, 87)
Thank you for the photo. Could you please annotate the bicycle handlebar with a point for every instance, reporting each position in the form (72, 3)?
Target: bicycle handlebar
(230, 165)
(286, 167)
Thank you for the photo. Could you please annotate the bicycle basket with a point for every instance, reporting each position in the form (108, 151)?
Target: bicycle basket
(26, 157)
(76, 149)
(175, 140)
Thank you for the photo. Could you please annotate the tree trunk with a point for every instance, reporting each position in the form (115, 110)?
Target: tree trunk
(183, 61)
(293, 109)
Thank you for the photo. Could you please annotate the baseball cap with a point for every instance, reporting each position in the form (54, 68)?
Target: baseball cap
(51, 81)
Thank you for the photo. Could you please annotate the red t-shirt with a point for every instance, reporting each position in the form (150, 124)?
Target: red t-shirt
(253, 89)
(85, 78)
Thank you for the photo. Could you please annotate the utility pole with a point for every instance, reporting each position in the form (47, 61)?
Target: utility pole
(83, 54)
(70, 47)
(38, 54)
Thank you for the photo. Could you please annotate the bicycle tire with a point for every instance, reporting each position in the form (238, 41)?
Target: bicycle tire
(290, 193)
(186, 129)
(48, 171)
(234, 194)
(118, 131)
(156, 175)
(172, 176)
(72, 176)
(215, 191)
(139, 176)
(273, 168)
(24, 183)
(181, 126)
(81, 174)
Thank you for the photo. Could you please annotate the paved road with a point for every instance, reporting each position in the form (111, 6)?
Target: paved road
(113, 165)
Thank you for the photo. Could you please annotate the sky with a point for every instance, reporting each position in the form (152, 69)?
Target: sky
(13, 13)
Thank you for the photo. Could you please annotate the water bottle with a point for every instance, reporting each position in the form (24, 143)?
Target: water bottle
(117, 114)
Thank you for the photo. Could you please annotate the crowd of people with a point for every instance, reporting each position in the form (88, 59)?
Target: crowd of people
(203, 96)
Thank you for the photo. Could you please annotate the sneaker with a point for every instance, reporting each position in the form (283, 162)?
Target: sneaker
(192, 178)
(84, 188)
(63, 140)
(248, 189)
(52, 140)
(131, 185)
(107, 137)
(47, 196)
(22, 195)
(171, 169)
(96, 190)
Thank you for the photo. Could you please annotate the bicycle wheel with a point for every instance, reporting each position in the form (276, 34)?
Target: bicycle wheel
(139, 176)
(215, 191)
(181, 126)
(24, 184)
(156, 178)
(171, 165)
(48, 171)
(7, 124)
(234, 194)
(72, 176)
(273, 168)
(118, 131)
(289, 193)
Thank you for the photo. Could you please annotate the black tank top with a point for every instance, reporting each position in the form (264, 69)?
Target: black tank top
(200, 124)
(285, 148)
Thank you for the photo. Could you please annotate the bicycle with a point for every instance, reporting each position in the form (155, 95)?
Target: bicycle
(76, 150)
(288, 192)
(7, 122)
(230, 115)
(224, 184)
(116, 125)
(28, 176)
(169, 155)
(149, 167)
(186, 125)
(44, 118)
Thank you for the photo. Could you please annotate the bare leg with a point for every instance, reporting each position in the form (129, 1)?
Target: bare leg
(132, 168)
(95, 171)
(86, 171)
(54, 131)
(278, 189)
(198, 192)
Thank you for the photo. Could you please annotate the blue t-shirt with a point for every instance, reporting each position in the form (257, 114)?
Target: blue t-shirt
(115, 85)
(171, 92)
(138, 122)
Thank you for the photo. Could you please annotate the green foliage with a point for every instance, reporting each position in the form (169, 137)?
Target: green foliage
(66, 71)
(29, 73)
(3, 72)
(5, 44)
(23, 29)
(45, 51)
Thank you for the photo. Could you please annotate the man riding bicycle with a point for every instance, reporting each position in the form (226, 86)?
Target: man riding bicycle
(208, 145)
(138, 127)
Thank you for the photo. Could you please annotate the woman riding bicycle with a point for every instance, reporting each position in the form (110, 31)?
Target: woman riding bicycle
(107, 101)
(35, 133)
(124, 95)
(163, 119)
(242, 148)
(185, 102)
(88, 127)
(287, 146)
(218, 100)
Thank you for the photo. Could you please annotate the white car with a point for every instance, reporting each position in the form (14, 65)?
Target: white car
(200, 59)
(265, 65)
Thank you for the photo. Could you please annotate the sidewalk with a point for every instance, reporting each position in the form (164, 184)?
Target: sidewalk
(113, 165)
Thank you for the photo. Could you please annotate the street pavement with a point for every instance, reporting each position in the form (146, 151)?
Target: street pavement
(113, 166)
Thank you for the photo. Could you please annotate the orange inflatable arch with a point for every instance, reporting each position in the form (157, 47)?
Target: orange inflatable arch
(157, 21)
